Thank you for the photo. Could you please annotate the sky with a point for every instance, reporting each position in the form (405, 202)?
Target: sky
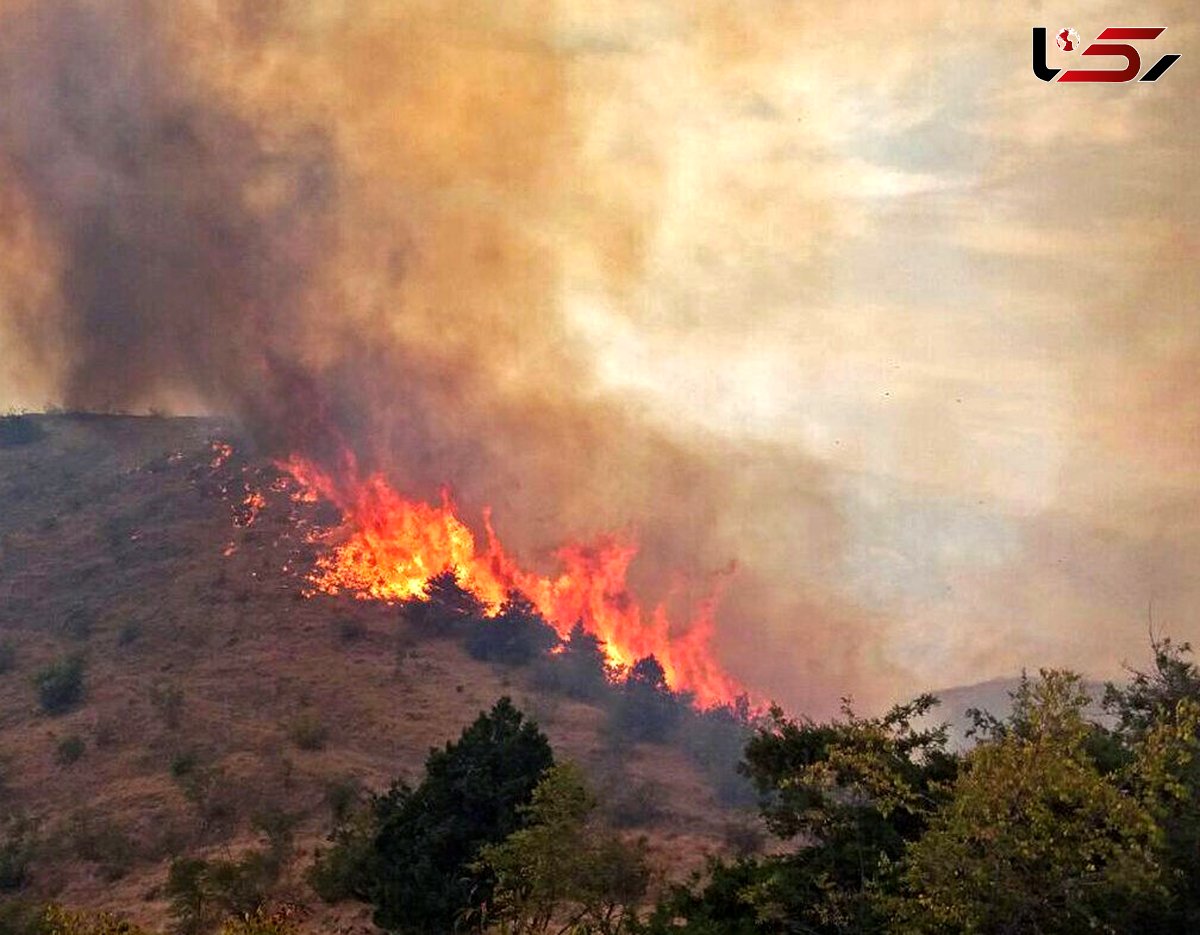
(919, 327)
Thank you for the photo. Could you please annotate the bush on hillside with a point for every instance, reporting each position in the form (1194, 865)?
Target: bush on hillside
(645, 708)
(515, 636)
(411, 852)
(60, 685)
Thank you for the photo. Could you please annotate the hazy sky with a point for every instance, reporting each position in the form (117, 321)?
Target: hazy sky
(860, 238)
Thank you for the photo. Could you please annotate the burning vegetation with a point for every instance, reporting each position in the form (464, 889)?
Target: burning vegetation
(391, 548)
(382, 546)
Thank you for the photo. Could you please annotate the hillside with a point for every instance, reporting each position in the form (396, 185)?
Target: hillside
(215, 693)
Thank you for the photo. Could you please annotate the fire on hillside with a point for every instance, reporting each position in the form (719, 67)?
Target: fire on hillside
(389, 547)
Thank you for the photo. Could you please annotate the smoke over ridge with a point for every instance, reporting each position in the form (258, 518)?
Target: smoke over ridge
(841, 296)
(375, 265)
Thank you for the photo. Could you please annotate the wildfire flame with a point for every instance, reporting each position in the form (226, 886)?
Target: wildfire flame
(392, 547)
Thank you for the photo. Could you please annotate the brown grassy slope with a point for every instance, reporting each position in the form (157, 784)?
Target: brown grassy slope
(112, 533)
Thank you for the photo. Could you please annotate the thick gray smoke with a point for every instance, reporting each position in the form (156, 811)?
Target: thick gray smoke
(345, 235)
(185, 234)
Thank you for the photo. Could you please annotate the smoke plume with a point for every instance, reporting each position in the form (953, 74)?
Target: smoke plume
(843, 300)
(354, 232)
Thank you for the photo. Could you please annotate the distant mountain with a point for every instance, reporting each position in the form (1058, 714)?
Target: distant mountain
(993, 696)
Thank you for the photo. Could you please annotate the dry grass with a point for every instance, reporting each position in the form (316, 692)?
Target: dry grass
(215, 665)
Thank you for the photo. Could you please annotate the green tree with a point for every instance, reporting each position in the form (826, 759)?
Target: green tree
(851, 793)
(427, 838)
(515, 636)
(1035, 837)
(723, 904)
(447, 604)
(645, 708)
(563, 872)
(1158, 724)
(858, 790)
(579, 670)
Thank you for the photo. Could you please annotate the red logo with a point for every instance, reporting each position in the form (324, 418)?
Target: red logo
(1067, 40)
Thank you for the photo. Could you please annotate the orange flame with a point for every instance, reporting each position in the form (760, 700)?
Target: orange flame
(393, 546)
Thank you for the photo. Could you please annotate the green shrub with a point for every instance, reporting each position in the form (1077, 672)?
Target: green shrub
(446, 608)
(345, 869)
(278, 827)
(8, 656)
(308, 732)
(18, 917)
(69, 750)
(412, 851)
(562, 865)
(58, 921)
(101, 841)
(184, 763)
(580, 670)
(343, 796)
(203, 892)
(60, 685)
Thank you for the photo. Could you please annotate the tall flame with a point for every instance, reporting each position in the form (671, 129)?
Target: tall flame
(393, 546)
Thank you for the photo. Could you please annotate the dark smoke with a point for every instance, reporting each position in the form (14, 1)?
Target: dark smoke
(216, 250)
(186, 236)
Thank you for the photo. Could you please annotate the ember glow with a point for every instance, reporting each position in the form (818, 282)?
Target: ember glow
(391, 546)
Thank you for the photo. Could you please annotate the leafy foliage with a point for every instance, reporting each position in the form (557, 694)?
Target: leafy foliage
(346, 869)
(561, 872)
(1158, 721)
(413, 851)
(1035, 837)
(855, 791)
(1053, 822)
